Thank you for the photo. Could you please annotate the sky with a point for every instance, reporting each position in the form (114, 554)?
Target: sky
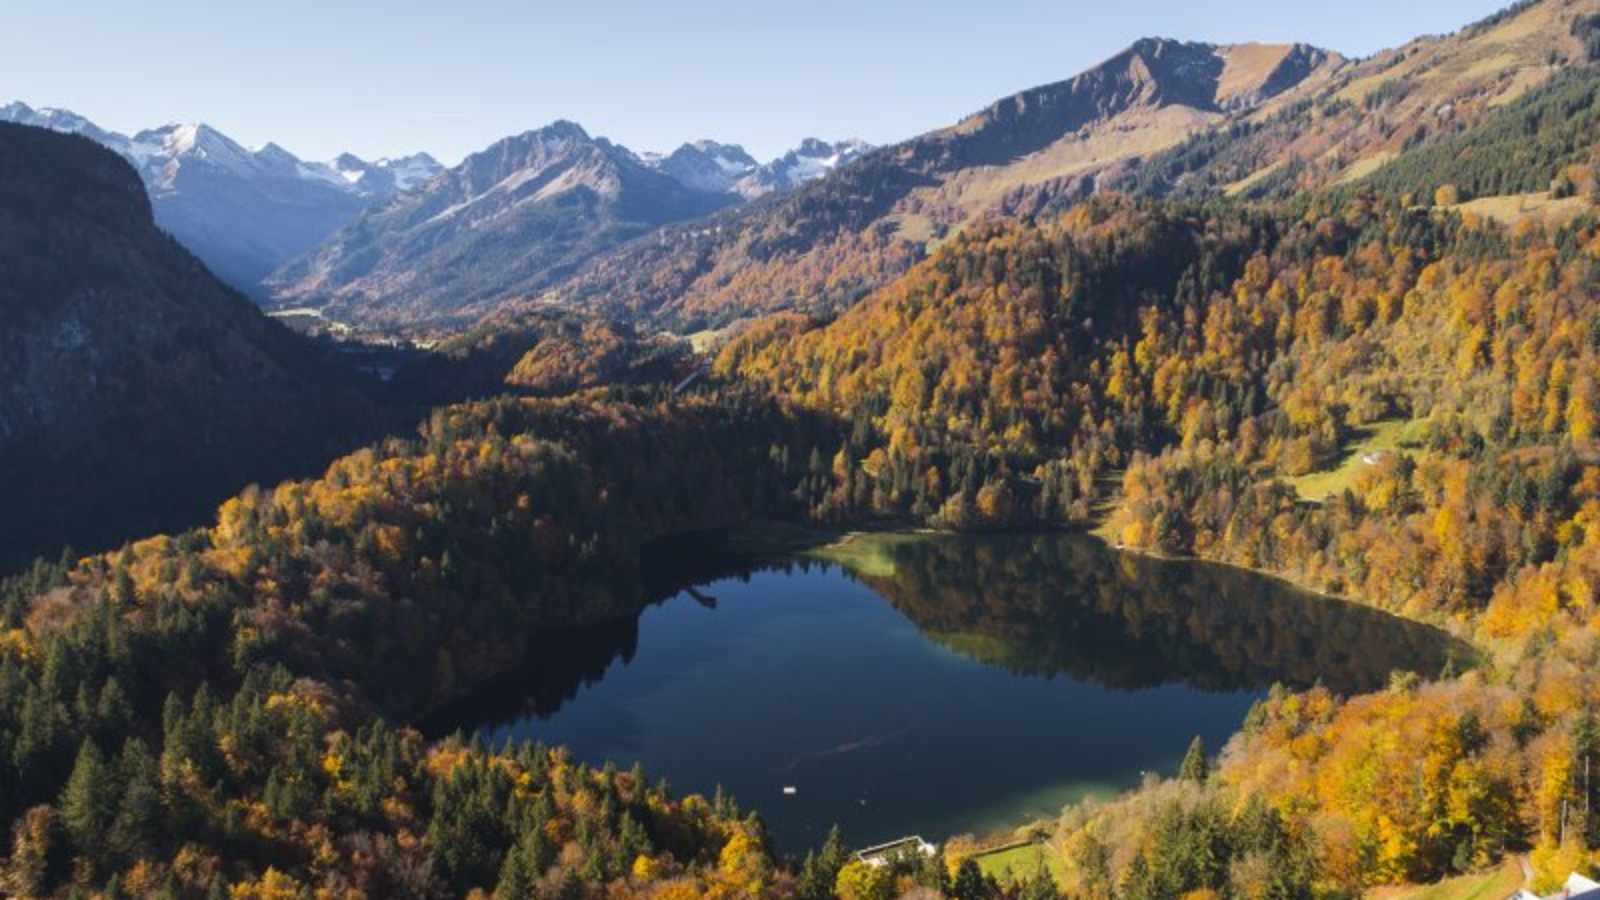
(383, 79)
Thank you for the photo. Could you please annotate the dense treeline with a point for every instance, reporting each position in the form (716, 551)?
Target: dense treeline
(202, 714)
(545, 354)
(1207, 351)
(1491, 350)
(1262, 347)
(1488, 522)
(995, 384)
(1520, 149)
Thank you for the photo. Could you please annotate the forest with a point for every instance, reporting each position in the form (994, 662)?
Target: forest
(227, 710)
(207, 714)
(233, 710)
(1182, 364)
(1258, 348)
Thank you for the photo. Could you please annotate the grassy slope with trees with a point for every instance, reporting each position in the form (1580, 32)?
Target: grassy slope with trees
(1264, 344)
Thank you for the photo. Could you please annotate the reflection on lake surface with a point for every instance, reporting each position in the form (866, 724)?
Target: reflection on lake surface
(942, 683)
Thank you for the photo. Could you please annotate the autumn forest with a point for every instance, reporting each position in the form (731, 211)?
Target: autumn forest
(1329, 339)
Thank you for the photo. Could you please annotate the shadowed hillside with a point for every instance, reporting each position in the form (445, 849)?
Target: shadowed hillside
(135, 389)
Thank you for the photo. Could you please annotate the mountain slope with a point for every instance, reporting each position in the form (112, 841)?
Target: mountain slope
(509, 220)
(244, 213)
(1161, 118)
(825, 245)
(135, 389)
(1341, 129)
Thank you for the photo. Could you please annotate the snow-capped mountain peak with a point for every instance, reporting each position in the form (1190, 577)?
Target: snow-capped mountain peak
(718, 168)
(813, 159)
(272, 154)
(411, 172)
(53, 119)
(350, 167)
(277, 205)
(160, 153)
(186, 142)
(705, 165)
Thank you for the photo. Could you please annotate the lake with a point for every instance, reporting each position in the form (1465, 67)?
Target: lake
(937, 684)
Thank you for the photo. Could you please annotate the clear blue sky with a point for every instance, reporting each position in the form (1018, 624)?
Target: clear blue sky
(451, 77)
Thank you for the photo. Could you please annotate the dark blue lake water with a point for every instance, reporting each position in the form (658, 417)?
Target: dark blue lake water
(943, 684)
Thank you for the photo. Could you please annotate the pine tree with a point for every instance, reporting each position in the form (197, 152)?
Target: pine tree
(820, 870)
(88, 803)
(1041, 886)
(970, 883)
(24, 873)
(517, 875)
(138, 817)
(1195, 767)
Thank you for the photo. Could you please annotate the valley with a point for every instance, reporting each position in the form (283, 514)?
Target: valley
(1180, 480)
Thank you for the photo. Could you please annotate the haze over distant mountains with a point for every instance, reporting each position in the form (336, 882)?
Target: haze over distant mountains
(243, 212)
(247, 213)
(830, 221)
(727, 168)
(1160, 118)
(520, 216)
(558, 217)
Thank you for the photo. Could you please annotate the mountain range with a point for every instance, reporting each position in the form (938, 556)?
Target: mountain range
(726, 168)
(511, 218)
(705, 235)
(1161, 117)
(1261, 309)
(823, 247)
(249, 213)
(830, 221)
(243, 212)
(521, 216)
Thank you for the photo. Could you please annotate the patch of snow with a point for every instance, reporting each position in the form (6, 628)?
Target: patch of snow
(183, 139)
(324, 173)
(730, 166)
(411, 171)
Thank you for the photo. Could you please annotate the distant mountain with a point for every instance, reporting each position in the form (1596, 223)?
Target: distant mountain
(811, 160)
(831, 221)
(384, 178)
(507, 222)
(827, 243)
(1435, 119)
(135, 389)
(727, 168)
(705, 165)
(244, 213)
